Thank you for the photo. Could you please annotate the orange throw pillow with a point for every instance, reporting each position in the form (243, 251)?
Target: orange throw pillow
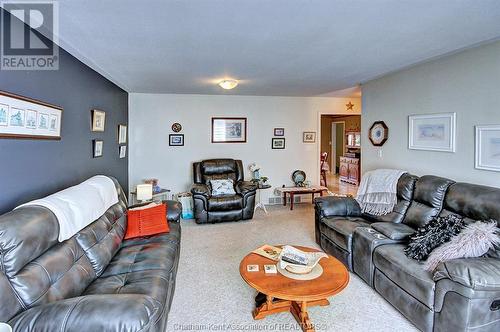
(147, 220)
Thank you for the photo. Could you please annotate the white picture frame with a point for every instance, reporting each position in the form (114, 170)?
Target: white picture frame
(123, 151)
(122, 134)
(432, 132)
(27, 118)
(487, 152)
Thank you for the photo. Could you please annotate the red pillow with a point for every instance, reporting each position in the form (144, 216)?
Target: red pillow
(147, 221)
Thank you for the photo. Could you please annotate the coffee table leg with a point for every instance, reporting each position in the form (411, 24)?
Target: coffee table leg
(312, 200)
(284, 199)
(291, 201)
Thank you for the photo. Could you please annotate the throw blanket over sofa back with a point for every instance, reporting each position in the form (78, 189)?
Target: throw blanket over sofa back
(38, 269)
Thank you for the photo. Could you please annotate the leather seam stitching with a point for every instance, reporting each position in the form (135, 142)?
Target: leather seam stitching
(65, 320)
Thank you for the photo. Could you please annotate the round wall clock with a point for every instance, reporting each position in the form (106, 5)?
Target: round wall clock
(378, 133)
(176, 127)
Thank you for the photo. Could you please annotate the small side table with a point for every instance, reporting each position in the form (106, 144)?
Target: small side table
(260, 204)
(163, 195)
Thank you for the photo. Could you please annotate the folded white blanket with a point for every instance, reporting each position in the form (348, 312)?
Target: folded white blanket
(78, 206)
(377, 191)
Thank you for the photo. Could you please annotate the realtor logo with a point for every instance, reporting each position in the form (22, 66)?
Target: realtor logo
(29, 32)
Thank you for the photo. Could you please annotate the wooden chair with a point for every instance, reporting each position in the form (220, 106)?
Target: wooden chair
(324, 168)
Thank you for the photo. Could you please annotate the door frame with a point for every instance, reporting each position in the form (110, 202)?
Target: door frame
(333, 152)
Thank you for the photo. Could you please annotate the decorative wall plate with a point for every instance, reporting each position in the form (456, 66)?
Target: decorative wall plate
(176, 127)
(298, 177)
(378, 133)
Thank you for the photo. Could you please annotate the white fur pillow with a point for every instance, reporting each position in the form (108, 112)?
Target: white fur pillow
(473, 241)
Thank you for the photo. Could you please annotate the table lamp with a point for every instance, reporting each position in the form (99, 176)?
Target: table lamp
(144, 192)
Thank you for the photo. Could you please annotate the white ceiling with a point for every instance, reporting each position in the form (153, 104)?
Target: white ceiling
(274, 47)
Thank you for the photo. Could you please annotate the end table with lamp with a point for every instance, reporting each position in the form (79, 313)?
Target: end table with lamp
(260, 204)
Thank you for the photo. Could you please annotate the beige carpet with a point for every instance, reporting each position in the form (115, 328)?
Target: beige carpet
(211, 296)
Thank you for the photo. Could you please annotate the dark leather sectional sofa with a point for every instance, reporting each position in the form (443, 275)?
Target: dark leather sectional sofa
(94, 281)
(210, 209)
(460, 295)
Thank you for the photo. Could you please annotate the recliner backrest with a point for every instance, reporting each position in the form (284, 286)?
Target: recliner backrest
(37, 269)
(214, 169)
(427, 202)
(405, 188)
(473, 202)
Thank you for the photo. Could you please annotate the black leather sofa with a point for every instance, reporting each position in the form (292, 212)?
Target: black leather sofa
(94, 281)
(460, 295)
(213, 209)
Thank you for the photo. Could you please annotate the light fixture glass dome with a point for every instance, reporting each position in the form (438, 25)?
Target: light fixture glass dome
(228, 84)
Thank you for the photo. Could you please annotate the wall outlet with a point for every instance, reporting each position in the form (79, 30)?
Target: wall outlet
(380, 154)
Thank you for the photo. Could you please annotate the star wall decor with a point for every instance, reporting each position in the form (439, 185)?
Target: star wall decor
(349, 106)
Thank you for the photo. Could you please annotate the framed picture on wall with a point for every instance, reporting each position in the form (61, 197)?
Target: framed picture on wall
(98, 120)
(279, 131)
(97, 148)
(432, 132)
(176, 140)
(229, 130)
(488, 147)
(278, 143)
(123, 151)
(23, 117)
(309, 137)
(122, 134)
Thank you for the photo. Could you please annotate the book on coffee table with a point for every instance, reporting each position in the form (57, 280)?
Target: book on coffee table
(268, 252)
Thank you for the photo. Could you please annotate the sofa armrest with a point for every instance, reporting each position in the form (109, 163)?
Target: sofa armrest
(201, 189)
(393, 231)
(482, 273)
(116, 312)
(245, 187)
(330, 206)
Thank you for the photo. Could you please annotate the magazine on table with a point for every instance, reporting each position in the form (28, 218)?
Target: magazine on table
(294, 257)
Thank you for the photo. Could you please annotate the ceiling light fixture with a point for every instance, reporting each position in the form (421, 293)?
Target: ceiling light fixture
(228, 84)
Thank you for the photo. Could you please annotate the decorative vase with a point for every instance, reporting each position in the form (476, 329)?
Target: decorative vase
(256, 175)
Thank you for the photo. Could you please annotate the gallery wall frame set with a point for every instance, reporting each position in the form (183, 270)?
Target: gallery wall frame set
(487, 152)
(432, 132)
(27, 118)
(229, 130)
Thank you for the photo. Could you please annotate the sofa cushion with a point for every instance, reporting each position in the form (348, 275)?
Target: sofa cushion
(225, 203)
(340, 229)
(153, 283)
(427, 201)
(393, 231)
(404, 192)
(147, 253)
(407, 273)
(101, 240)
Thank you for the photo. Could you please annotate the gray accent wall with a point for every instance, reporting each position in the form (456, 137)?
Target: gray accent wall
(467, 83)
(31, 169)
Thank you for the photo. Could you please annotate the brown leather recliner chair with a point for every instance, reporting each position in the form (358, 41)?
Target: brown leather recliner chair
(213, 209)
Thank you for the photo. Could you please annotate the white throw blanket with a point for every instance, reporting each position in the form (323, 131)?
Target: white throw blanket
(377, 191)
(78, 206)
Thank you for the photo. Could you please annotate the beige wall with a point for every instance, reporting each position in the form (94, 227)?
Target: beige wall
(467, 83)
(151, 115)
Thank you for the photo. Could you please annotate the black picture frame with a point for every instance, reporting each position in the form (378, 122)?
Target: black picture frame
(223, 124)
(96, 152)
(173, 137)
(280, 132)
(274, 146)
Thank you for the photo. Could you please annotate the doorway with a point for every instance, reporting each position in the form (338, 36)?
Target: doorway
(336, 140)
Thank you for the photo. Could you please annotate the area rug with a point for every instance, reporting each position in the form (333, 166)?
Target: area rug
(211, 296)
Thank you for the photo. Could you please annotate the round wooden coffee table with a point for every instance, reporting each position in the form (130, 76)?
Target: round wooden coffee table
(286, 294)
